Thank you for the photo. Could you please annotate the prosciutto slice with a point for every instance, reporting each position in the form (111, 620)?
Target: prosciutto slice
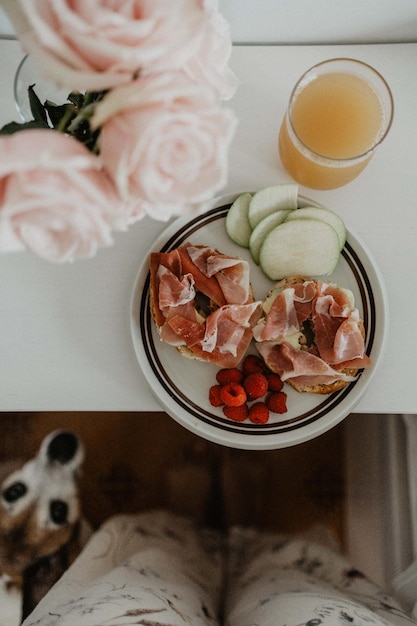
(281, 320)
(178, 277)
(300, 365)
(174, 291)
(289, 309)
(226, 327)
(179, 325)
(232, 274)
(338, 335)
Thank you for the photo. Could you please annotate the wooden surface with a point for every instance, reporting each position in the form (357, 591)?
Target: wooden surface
(140, 461)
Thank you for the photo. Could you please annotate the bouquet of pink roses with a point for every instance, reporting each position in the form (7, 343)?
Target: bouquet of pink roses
(144, 131)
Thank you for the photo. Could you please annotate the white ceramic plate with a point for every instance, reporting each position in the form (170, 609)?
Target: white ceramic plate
(181, 385)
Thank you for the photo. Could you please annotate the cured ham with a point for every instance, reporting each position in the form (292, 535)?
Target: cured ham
(290, 307)
(300, 365)
(311, 334)
(202, 303)
(338, 334)
(174, 291)
(231, 274)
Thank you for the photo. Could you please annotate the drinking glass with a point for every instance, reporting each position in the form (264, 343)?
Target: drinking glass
(26, 75)
(339, 112)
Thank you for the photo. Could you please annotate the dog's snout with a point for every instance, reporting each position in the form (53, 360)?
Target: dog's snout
(63, 447)
(14, 491)
(58, 510)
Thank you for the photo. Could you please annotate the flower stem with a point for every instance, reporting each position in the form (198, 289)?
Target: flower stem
(62, 126)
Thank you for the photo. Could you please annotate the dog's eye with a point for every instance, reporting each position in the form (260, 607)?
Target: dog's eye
(14, 492)
(58, 511)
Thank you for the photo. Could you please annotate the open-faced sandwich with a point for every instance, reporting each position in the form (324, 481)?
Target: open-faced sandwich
(202, 303)
(311, 334)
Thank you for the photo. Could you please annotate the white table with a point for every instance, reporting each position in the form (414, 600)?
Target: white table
(65, 339)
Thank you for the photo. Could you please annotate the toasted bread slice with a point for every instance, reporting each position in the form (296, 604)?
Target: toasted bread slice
(323, 388)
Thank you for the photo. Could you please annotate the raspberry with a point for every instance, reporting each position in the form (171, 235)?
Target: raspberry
(251, 364)
(236, 413)
(214, 395)
(236, 388)
(233, 394)
(259, 413)
(255, 385)
(274, 382)
(229, 375)
(277, 402)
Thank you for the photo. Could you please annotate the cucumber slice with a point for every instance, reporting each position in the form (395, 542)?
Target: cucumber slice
(263, 228)
(271, 199)
(237, 224)
(307, 247)
(325, 215)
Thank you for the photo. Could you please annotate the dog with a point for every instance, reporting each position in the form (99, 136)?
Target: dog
(40, 522)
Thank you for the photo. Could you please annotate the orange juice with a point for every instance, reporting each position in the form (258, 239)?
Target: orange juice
(333, 124)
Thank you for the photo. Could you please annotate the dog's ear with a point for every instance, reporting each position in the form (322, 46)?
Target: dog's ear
(63, 448)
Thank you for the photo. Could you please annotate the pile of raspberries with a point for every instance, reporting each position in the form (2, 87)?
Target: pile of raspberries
(241, 392)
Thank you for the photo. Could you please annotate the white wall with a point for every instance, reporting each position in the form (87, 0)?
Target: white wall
(312, 21)
(5, 26)
(321, 21)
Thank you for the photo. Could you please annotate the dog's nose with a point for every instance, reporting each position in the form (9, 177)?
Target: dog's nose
(58, 510)
(14, 491)
(62, 447)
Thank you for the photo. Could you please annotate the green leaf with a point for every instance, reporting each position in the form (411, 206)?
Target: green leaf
(36, 106)
(72, 117)
(14, 127)
(57, 112)
(95, 96)
(77, 99)
(84, 134)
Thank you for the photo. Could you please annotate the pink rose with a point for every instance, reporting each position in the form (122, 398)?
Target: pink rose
(210, 63)
(97, 44)
(164, 141)
(54, 198)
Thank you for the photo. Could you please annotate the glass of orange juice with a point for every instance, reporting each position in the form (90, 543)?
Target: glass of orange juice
(339, 112)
